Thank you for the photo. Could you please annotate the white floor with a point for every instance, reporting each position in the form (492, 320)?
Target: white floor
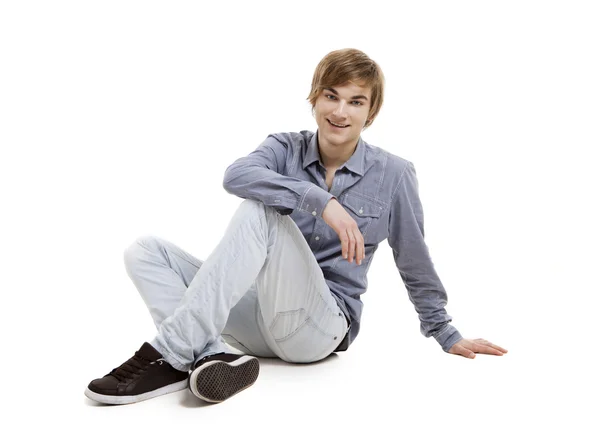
(369, 391)
(373, 388)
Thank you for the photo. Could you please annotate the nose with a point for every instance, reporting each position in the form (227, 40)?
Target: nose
(340, 110)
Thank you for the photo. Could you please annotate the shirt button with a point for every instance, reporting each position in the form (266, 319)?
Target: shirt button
(314, 213)
(317, 238)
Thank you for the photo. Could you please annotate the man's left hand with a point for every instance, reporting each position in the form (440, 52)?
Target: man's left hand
(468, 348)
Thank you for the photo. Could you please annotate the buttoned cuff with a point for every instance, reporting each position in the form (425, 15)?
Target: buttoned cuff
(315, 200)
(448, 337)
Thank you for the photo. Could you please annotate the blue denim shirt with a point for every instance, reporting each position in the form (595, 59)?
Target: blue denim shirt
(378, 189)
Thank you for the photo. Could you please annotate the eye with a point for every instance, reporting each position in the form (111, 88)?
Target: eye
(359, 103)
(329, 95)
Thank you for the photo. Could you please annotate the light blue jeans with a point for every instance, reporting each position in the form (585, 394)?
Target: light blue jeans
(261, 290)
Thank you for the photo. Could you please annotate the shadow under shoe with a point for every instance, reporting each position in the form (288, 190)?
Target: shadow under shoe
(143, 376)
(217, 377)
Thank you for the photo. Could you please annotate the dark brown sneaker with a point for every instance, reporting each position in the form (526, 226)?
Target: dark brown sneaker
(143, 376)
(220, 376)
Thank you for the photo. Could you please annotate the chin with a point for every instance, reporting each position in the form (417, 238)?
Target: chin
(334, 138)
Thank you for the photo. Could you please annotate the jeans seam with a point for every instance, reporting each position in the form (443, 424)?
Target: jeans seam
(183, 258)
(260, 217)
(194, 298)
(304, 323)
(286, 313)
(307, 322)
(281, 219)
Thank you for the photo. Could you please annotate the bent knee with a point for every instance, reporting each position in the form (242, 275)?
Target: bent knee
(252, 206)
(255, 206)
(138, 248)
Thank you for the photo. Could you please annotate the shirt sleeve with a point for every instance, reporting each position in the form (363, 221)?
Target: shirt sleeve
(259, 176)
(411, 255)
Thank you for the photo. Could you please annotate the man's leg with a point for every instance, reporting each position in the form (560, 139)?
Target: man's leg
(262, 287)
(301, 321)
(162, 273)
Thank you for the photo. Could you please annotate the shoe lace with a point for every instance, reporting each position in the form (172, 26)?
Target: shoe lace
(131, 368)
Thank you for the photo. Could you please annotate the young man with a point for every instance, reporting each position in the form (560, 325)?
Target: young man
(285, 281)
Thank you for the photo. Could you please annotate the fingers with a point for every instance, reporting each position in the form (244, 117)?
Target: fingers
(360, 248)
(484, 346)
(497, 347)
(351, 244)
(480, 348)
(345, 242)
(356, 246)
(468, 348)
(457, 349)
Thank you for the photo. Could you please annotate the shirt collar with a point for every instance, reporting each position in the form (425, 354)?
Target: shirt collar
(355, 163)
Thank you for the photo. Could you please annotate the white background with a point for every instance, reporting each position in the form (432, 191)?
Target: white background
(119, 118)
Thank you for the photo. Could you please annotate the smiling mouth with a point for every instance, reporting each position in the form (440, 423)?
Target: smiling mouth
(337, 126)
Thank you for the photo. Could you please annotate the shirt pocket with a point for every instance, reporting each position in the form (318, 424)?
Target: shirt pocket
(365, 211)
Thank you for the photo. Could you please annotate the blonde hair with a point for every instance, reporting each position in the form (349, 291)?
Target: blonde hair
(349, 65)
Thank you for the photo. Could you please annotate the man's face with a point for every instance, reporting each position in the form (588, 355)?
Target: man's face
(347, 105)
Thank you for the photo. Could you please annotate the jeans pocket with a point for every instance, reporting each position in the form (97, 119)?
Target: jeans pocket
(300, 339)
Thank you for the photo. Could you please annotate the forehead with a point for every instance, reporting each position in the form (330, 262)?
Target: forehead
(351, 89)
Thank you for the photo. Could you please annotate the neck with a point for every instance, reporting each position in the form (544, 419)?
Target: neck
(332, 155)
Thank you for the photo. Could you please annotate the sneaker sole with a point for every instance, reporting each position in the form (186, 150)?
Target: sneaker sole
(217, 380)
(123, 400)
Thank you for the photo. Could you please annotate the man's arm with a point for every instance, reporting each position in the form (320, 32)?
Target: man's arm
(259, 176)
(411, 255)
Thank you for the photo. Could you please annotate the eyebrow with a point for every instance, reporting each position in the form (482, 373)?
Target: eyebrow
(356, 97)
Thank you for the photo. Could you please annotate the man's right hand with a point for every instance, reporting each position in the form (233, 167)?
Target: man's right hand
(347, 230)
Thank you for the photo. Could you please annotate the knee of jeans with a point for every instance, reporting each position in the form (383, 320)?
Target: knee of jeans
(136, 250)
(252, 206)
